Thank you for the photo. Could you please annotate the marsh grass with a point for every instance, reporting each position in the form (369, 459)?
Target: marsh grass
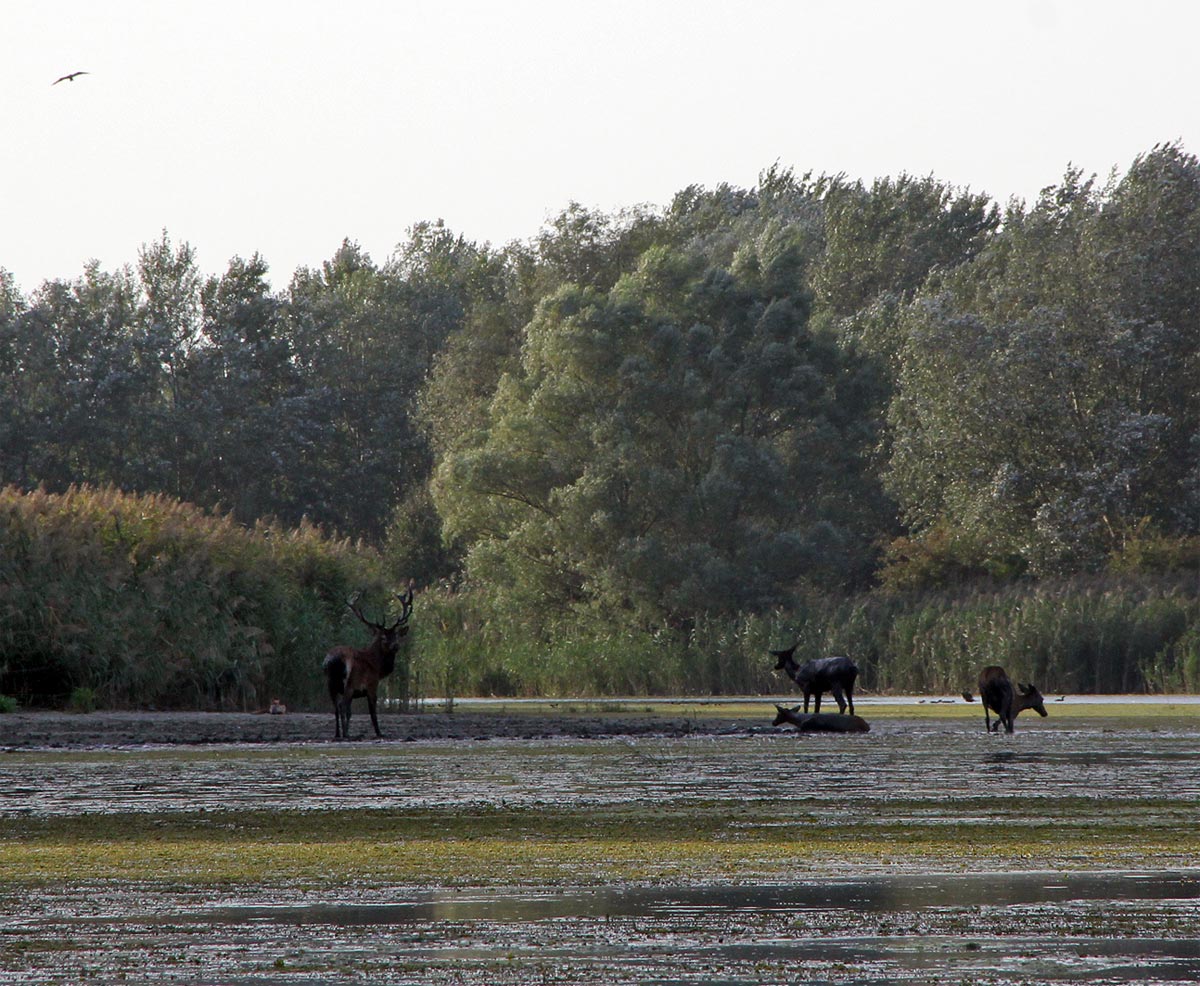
(135, 601)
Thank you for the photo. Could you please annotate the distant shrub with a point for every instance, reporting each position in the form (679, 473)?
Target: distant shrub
(82, 700)
(7, 704)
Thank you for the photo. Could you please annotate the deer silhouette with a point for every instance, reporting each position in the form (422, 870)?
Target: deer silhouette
(353, 672)
(814, 678)
(820, 722)
(997, 693)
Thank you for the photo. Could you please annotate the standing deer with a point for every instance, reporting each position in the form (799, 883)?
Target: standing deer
(996, 692)
(352, 672)
(820, 722)
(825, 674)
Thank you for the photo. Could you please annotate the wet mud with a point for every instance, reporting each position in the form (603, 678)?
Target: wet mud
(67, 731)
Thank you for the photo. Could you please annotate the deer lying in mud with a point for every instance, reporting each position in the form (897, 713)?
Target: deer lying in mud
(353, 672)
(821, 722)
(997, 693)
(814, 678)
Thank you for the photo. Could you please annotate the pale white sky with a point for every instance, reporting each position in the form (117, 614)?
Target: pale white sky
(284, 127)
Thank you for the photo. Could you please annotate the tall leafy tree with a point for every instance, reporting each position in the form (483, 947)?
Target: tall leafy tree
(78, 386)
(167, 340)
(669, 447)
(888, 238)
(252, 402)
(1047, 401)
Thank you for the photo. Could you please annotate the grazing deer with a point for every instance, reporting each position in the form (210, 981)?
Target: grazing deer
(825, 674)
(821, 722)
(996, 692)
(353, 672)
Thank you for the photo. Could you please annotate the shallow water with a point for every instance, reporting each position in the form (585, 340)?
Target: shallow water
(1015, 928)
(851, 926)
(899, 760)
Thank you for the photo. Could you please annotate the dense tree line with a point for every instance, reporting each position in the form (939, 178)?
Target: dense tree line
(647, 419)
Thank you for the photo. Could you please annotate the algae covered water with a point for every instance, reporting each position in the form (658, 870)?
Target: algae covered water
(925, 851)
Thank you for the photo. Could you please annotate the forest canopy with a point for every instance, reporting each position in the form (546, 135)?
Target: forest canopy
(649, 418)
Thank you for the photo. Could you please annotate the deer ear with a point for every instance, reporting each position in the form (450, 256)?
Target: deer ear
(796, 708)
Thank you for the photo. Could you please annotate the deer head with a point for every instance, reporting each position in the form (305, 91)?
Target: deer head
(1031, 698)
(387, 635)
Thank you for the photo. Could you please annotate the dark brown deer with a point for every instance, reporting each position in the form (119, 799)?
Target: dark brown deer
(352, 672)
(814, 678)
(997, 693)
(821, 722)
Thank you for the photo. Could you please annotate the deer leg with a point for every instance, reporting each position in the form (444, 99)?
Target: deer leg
(837, 697)
(816, 703)
(987, 719)
(340, 715)
(850, 696)
(371, 709)
(1007, 717)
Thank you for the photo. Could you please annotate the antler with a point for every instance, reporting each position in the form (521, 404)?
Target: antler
(352, 602)
(406, 601)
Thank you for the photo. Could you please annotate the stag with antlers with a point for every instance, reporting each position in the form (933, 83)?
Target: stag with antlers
(353, 672)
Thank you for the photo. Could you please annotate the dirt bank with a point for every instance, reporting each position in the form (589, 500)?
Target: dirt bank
(61, 730)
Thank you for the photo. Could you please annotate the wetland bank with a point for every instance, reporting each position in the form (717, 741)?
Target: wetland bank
(592, 844)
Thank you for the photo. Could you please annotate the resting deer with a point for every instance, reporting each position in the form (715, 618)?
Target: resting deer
(352, 672)
(996, 692)
(825, 674)
(821, 722)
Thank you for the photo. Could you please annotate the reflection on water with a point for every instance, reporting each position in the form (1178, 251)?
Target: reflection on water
(1031, 928)
(875, 894)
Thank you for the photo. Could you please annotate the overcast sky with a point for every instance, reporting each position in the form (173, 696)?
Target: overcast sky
(285, 127)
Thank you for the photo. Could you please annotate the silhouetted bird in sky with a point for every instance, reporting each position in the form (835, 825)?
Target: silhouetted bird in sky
(68, 78)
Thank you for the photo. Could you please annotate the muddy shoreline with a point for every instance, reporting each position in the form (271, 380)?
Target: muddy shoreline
(107, 730)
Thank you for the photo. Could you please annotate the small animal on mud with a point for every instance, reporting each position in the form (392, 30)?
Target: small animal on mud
(353, 672)
(814, 678)
(820, 722)
(996, 692)
(276, 708)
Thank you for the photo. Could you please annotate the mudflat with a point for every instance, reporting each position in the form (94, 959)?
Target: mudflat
(610, 844)
(100, 730)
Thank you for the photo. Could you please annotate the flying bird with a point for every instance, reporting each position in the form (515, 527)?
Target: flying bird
(68, 78)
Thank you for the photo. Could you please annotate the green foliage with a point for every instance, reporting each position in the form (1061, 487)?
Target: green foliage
(1111, 635)
(465, 645)
(8, 704)
(82, 699)
(888, 238)
(640, 448)
(140, 601)
(1046, 403)
(668, 449)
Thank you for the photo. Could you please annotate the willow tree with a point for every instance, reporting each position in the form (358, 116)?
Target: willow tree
(676, 445)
